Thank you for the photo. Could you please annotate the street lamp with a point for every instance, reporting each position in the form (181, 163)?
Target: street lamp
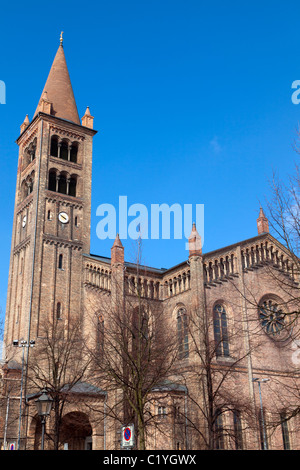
(43, 406)
(259, 381)
(22, 344)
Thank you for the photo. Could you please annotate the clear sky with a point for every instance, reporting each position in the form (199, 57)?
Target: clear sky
(191, 98)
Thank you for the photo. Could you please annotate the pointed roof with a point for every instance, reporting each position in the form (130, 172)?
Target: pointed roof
(58, 90)
(261, 213)
(195, 245)
(118, 242)
(262, 222)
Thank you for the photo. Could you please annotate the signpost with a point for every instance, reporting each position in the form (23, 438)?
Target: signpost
(127, 437)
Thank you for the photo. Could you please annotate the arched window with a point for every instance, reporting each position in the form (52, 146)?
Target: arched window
(52, 181)
(285, 431)
(221, 331)
(32, 153)
(62, 184)
(54, 146)
(238, 434)
(74, 152)
(64, 150)
(218, 431)
(29, 186)
(72, 187)
(60, 261)
(182, 333)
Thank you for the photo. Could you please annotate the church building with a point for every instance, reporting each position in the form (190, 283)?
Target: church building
(234, 380)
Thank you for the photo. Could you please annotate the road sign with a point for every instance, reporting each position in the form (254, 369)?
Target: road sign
(127, 436)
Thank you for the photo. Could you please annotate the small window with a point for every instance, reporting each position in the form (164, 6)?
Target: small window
(32, 154)
(76, 221)
(162, 412)
(49, 215)
(60, 262)
(30, 187)
(58, 311)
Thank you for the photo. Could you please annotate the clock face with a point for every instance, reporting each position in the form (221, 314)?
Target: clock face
(24, 221)
(63, 217)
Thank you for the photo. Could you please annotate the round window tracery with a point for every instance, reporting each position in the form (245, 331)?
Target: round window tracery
(272, 318)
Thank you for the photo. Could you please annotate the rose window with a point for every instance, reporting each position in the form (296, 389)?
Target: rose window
(271, 318)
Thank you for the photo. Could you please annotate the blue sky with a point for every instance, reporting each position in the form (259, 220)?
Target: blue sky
(192, 101)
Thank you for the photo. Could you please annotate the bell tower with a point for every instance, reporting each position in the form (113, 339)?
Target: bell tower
(51, 225)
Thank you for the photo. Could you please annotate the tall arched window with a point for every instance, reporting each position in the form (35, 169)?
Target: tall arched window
(221, 331)
(52, 181)
(237, 425)
(72, 187)
(54, 146)
(62, 184)
(73, 152)
(64, 150)
(182, 333)
(218, 431)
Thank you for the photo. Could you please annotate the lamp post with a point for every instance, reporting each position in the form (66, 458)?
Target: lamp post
(259, 381)
(43, 406)
(22, 344)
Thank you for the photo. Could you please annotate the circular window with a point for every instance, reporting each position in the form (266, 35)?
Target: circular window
(272, 318)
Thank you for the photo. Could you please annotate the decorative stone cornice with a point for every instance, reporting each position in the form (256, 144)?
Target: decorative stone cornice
(25, 203)
(21, 246)
(68, 201)
(60, 242)
(66, 133)
(65, 163)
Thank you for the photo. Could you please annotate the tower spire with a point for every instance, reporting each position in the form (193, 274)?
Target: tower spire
(61, 39)
(195, 245)
(59, 90)
(262, 222)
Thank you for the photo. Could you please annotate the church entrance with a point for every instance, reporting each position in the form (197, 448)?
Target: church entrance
(76, 432)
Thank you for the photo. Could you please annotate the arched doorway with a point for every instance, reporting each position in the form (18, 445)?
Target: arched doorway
(76, 432)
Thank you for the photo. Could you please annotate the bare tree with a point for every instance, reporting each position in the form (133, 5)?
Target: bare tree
(57, 363)
(134, 353)
(219, 408)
